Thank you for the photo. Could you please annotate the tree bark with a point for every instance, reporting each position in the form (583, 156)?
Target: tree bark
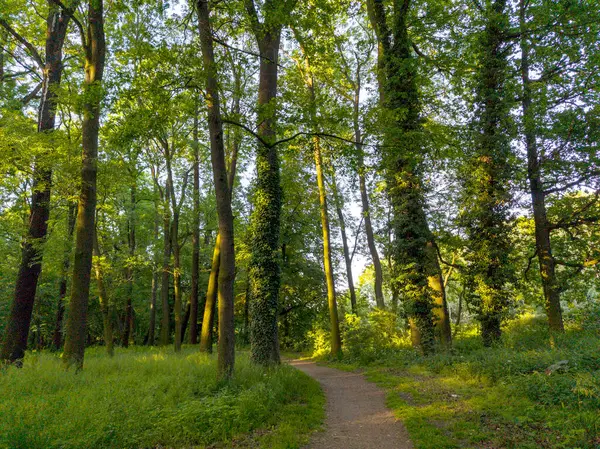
(19, 320)
(95, 50)
(62, 290)
(538, 197)
(226, 343)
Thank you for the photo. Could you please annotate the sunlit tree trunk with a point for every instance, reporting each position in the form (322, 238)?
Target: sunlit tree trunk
(95, 49)
(336, 340)
(19, 320)
(226, 343)
(536, 186)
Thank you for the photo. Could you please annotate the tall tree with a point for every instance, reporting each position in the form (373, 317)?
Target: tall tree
(226, 344)
(402, 152)
(94, 46)
(265, 269)
(487, 175)
(17, 330)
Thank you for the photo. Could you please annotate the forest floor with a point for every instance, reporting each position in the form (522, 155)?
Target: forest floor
(356, 415)
(522, 394)
(153, 398)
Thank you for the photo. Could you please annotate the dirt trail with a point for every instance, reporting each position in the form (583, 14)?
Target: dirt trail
(356, 414)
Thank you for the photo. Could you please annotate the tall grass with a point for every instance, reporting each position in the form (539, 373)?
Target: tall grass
(145, 399)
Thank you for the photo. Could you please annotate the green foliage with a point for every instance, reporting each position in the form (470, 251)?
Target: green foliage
(149, 398)
(520, 393)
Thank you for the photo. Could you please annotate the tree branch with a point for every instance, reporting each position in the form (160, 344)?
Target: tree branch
(32, 50)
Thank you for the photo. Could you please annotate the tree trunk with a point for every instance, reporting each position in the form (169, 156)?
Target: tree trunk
(340, 214)
(103, 298)
(62, 290)
(336, 340)
(19, 320)
(165, 331)
(195, 239)
(401, 155)
(95, 50)
(130, 271)
(538, 197)
(441, 315)
(206, 339)
(176, 254)
(226, 344)
(364, 197)
(154, 292)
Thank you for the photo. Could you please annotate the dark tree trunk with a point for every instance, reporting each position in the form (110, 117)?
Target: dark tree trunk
(538, 196)
(195, 240)
(95, 50)
(342, 222)
(19, 320)
(226, 343)
(364, 197)
(62, 290)
(165, 331)
(126, 336)
(154, 293)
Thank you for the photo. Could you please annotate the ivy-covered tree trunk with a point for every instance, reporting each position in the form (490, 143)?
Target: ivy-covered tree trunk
(486, 179)
(62, 289)
(19, 320)
(103, 298)
(264, 268)
(536, 187)
(226, 344)
(95, 50)
(402, 153)
(443, 332)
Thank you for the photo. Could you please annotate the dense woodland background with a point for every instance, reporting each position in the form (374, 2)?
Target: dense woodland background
(451, 145)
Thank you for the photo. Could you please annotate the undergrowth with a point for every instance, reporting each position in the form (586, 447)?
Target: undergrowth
(529, 391)
(149, 398)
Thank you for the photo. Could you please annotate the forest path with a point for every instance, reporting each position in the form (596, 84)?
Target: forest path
(357, 417)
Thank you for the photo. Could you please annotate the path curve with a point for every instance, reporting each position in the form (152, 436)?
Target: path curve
(357, 417)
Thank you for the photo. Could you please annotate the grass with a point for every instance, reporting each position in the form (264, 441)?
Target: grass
(501, 397)
(151, 398)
